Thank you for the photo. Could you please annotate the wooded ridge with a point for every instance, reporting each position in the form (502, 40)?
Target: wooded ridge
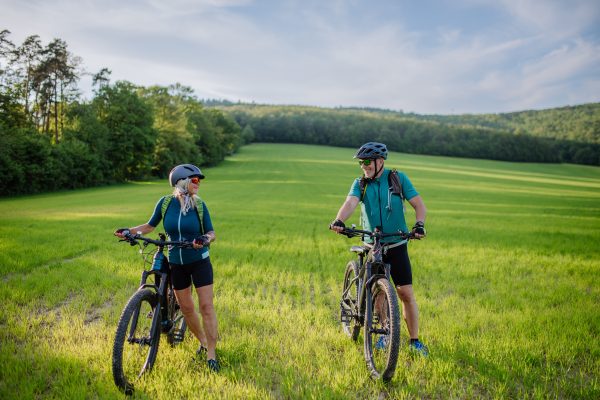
(528, 136)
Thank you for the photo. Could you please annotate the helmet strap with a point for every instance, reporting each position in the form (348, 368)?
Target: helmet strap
(184, 189)
(376, 171)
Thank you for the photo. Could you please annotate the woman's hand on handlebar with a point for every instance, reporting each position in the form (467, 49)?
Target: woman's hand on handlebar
(201, 241)
(136, 230)
(120, 233)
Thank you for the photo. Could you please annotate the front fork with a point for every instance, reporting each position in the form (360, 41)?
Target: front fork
(366, 295)
(161, 299)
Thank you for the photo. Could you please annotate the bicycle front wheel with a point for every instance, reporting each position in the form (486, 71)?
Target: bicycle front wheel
(349, 304)
(382, 340)
(133, 352)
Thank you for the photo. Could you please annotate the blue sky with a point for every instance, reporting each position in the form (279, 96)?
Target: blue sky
(461, 56)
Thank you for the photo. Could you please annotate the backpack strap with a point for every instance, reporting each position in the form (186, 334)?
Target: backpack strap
(199, 211)
(362, 185)
(165, 205)
(396, 186)
(163, 211)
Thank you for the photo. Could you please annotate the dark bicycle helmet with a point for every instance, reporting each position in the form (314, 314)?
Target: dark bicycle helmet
(372, 150)
(184, 171)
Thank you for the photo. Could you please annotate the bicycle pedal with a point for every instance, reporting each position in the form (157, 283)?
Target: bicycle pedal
(346, 316)
(177, 334)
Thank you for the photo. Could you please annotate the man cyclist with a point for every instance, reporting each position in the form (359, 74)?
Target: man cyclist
(381, 208)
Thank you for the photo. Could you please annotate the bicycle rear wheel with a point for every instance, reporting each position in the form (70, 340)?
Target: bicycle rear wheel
(382, 341)
(177, 334)
(133, 352)
(349, 302)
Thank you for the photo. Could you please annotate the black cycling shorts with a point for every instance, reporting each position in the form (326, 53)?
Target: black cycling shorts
(400, 270)
(201, 272)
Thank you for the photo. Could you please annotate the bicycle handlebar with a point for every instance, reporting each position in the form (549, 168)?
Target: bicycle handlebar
(353, 232)
(133, 240)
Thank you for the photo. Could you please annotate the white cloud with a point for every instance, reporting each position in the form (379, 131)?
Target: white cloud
(316, 53)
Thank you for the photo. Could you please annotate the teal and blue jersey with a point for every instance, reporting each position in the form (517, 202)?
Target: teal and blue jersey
(182, 227)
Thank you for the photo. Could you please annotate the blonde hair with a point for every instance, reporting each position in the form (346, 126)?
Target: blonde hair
(187, 201)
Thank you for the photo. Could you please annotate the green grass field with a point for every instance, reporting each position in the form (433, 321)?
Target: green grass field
(507, 282)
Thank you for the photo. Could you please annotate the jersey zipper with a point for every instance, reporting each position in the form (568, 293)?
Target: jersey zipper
(179, 229)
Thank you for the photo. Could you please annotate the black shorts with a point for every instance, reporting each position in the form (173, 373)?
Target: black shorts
(400, 270)
(201, 272)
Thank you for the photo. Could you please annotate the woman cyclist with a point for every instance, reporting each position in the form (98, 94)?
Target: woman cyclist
(185, 217)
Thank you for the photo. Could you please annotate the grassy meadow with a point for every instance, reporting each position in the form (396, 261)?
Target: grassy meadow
(507, 282)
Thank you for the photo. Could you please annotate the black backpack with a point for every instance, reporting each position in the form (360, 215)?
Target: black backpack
(393, 183)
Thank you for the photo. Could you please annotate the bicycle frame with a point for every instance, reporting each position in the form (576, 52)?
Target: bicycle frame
(370, 301)
(159, 289)
(151, 311)
(365, 280)
(365, 277)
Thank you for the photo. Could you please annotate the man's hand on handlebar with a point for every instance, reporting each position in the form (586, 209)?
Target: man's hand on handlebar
(337, 226)
(419, 230)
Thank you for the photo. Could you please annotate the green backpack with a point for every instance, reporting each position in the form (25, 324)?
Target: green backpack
(199, 211)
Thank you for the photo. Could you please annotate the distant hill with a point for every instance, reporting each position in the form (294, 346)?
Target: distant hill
(579, 123)
(567, 134)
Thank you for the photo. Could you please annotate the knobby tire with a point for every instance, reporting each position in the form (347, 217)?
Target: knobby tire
(132, 358)
(386, 314)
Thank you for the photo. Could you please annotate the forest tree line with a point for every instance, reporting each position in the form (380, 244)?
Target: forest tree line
(352, 128)
(52, 139)
(567, 134)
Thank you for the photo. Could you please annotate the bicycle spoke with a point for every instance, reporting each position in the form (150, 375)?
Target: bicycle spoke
(349, 301)
(133, 354)
(380, 341)
(136, 351)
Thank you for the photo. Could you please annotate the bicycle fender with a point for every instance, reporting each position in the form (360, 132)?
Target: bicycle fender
(149, 286)
(371, 279)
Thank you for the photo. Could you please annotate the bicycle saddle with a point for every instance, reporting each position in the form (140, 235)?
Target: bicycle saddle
(359, 249)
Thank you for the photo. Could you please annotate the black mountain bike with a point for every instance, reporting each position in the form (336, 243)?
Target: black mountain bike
(151, 310)
(369, 300)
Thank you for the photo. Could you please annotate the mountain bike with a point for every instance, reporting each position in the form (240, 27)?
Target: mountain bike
(369, 301)
(152, 309)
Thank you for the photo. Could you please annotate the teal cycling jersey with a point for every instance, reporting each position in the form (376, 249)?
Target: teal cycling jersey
(380, 208)
(182, 227)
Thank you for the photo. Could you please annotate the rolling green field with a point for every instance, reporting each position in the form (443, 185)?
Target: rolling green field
(507, 282)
